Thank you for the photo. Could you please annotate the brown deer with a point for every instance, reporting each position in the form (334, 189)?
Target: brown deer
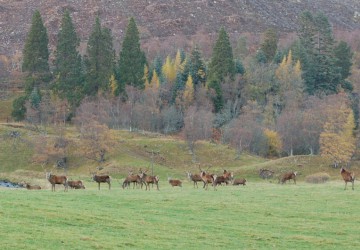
(57, 179)
(174, 182)
(132, 178)
(287, 177)
(102, 179)
(229, 176)
(148, 179)
(239, 182)
(31, 187)
(76, 184)
(207, 178)
(194, 178)
(218, 180)
(348, 177)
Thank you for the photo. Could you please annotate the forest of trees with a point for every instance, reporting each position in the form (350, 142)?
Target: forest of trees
(275, 102)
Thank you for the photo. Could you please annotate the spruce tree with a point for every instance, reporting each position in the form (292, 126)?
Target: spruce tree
(269, 45)
(69, 76)
(100, 59)
(36, 52)
(132, 59)
(35, 64)
(198, 70)
(222, 60)
(343, 61)
(222, 65)
(321, 75)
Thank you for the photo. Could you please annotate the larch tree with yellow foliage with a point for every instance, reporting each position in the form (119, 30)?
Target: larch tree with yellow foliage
(337, 141)
(169, 70)
(188, 94)
(273, 141)
(290, 80)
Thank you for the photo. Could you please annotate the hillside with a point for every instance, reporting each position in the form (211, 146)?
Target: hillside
(168, 22)
(169, 156)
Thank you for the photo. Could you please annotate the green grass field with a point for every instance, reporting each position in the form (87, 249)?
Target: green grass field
(261, 215)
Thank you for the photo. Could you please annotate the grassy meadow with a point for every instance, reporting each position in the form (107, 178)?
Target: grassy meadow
(261, 215)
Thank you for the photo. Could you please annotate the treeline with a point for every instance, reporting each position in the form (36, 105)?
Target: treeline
(278, 101)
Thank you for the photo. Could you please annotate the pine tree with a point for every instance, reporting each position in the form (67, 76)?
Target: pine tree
(36, 52)
(321, 75)
(222, 60)
(221, 65)
(198, 70)
(100, 59)
(269, 45)
(132, 58)
(343, 61)
(68, 68)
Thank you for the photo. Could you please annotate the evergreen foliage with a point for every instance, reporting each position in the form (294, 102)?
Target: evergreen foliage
(132, 58)
(198, 70)
(321, 74)
(100, 60)
(222, 60)
(18, 108)
(36, 52)
(269, 45)
(68, 68)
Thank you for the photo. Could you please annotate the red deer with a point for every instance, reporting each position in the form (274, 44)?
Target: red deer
(207, 178)
(175, 183)
(229, 176)
(218, 180)
(287, 177)
(195, 178)
(76, 184)
(31, 187)
(147, 179)
(132, 178)
(102, 179)
(266, 173)
(57, 179)
(239, 182)
(348, 177)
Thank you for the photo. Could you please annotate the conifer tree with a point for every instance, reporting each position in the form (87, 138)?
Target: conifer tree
(169, 70)
(36, 52)
(321, 75)
(343, 61)
(222, 60)
(198, 70)
(132, 58)
(35, 64)
(188, 95)
(222, 65)
(100, 59)
(68, 69)
(269, 45)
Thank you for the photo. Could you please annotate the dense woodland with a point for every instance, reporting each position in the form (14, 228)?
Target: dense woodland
(275, 101)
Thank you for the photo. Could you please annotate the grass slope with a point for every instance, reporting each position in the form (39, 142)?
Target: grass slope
(257, 216)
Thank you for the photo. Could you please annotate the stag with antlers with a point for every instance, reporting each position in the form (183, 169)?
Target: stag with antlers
(149, 179)
(206, 178)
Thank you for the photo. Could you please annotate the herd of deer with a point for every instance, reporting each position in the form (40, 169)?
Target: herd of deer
(142, 178)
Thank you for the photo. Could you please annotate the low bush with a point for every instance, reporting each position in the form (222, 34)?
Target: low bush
(317, 178)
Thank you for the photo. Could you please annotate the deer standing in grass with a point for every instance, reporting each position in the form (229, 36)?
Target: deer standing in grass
(57, 179)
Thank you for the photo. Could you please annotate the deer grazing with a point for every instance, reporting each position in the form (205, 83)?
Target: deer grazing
(348, 177)
(206, 178)
(174, 182)
(217, 180)
(241, 181)
(287, 177)
(76, 184)
(148, 179)
(132, 178)
(57, 179)
(31, 187)
(194, 178)
(102, 179)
